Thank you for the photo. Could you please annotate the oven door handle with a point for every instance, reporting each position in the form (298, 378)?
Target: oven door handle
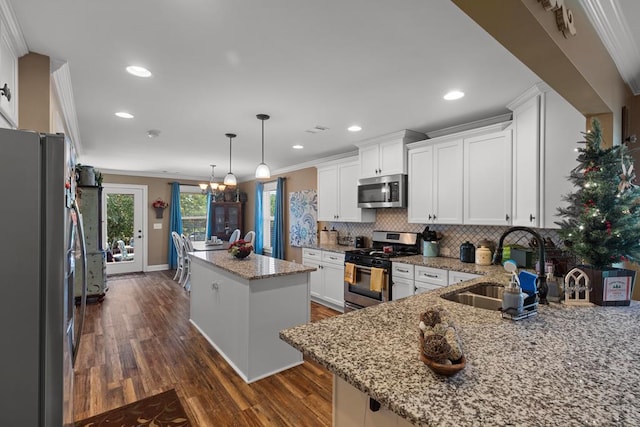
(359, 267)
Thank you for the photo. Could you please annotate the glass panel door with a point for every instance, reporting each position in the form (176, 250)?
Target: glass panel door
(122, 228)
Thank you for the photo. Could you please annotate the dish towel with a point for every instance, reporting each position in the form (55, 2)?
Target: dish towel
(377, 279)
(350, 273)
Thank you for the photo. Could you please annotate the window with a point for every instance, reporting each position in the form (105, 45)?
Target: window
(268, 215)
(193, 208)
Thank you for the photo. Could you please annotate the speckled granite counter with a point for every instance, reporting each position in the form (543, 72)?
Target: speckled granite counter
(333, 248)
(567, 366)
(449, 264)
(252, 268)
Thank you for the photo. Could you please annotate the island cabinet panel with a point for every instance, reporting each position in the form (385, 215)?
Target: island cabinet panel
(242, 318)
(351, 409)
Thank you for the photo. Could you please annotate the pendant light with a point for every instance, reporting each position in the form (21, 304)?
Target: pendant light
(262, 171)
(212, 181)
(230, 179)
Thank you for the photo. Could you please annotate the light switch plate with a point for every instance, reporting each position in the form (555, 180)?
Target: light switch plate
(157, 226)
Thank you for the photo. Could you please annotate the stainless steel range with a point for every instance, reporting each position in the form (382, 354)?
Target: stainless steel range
(375, 262)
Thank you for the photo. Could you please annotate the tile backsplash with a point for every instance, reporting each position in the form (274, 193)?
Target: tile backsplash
(453, 236)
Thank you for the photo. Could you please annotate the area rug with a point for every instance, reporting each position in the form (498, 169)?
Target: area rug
(161, 410)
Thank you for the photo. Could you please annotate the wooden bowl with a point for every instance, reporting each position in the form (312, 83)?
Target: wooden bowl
(445, 370)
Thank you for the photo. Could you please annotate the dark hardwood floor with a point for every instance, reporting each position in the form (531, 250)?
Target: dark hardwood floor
(138, 342)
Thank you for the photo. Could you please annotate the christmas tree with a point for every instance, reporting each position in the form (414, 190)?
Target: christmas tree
(602, 220)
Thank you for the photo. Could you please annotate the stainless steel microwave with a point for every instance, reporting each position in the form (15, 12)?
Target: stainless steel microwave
(383, 192)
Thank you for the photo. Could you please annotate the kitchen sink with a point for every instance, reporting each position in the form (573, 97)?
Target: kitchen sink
(486, 295)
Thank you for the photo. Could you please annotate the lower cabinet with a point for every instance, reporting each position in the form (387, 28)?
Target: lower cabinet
(351, 408)
(402, 277)
(459, 276)
(429, 278)
(327, 282)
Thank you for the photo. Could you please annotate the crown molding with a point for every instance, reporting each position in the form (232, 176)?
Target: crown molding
(62, 87)
(15, 32)
(611, 25)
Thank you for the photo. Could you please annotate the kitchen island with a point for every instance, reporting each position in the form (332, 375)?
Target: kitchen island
(570, 366)
(239, 306)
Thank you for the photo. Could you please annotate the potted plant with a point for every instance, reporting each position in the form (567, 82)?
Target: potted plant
(601, 225)
(159, 205)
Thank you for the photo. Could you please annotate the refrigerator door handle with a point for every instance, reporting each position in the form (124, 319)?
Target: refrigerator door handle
(83, 298)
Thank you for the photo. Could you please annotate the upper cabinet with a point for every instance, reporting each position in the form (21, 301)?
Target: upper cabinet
(545, 131)
(435, 181)
(487, 178)
(8, 78)
(338, 193)
(386, 155)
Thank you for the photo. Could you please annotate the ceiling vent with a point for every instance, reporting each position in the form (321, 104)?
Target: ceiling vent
(317, 129)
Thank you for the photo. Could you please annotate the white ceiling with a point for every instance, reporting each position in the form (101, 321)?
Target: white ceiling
(217, 63)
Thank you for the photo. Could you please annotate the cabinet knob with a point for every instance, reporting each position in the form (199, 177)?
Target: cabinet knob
(506, 217)
(429, 216)
(531, 217)
(5, 91)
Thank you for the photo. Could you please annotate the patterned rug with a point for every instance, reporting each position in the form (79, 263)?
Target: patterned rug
(161, 410)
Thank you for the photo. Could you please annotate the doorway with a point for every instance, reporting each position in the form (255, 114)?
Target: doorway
(124, 227)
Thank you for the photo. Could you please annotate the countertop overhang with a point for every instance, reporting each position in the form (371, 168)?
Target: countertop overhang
(254, 267)
(565, 366)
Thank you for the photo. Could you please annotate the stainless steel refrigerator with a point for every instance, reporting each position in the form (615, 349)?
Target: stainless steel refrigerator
(42, 245)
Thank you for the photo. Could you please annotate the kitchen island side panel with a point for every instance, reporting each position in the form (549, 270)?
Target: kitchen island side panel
(242, 318)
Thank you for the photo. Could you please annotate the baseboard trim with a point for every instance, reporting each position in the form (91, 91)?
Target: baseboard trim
(158, 267)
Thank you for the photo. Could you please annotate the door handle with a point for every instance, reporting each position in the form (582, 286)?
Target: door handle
(531, 217)
(6, 92)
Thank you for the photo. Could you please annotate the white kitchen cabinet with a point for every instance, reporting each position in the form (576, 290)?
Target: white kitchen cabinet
(8, 77)
(338, 193)
(545, 131)
(313, 258)
(327, 282)
(435, 181)
(459, 276)
(402, 277)
(386, 155)
(429, 278)
(487, 178)
(351, 408)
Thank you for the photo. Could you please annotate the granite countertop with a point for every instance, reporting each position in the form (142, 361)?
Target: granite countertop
(332, 248)
(449, 264)
(570, 366)
(254, 267)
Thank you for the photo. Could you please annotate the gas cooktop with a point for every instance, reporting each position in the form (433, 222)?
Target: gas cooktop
(379, 252)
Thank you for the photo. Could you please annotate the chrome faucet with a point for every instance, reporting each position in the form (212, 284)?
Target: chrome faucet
(541, 280)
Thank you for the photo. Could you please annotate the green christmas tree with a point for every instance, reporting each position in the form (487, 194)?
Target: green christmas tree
(601, 223)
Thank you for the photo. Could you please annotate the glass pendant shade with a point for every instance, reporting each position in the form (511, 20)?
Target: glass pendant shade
(262, 171)
(203, 187)
(230, 178)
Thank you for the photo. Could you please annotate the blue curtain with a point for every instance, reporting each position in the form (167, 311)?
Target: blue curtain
(278, 232)
(175, 223)
(259, 220)
(208, 231)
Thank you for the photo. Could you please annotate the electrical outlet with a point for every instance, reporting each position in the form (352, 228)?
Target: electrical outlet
(157, 226)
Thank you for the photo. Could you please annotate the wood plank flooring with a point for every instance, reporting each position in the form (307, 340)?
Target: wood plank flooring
(138, 342)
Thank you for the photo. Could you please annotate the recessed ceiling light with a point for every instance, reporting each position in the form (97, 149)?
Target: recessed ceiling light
(298, 147)
(138, 71)
(454, 94)
(354, 128)
(124, 115)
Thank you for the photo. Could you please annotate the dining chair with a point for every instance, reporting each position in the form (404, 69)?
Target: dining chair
(187, 246)
(250, 237)
(177, 242)
(234, 236)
